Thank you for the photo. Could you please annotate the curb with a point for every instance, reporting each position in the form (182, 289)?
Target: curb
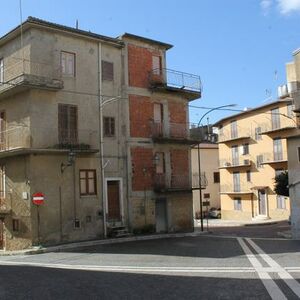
(69, 246)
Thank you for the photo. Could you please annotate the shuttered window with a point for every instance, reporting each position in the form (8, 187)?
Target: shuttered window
(67, 124)
(107, 70)
(1, 71)
(2, 183)
(2, 130)
(68, 61)
(88, 182)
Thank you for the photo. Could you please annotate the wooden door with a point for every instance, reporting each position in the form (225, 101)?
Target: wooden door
(113, 200)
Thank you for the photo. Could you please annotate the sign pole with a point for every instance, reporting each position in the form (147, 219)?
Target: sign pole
(38, 220)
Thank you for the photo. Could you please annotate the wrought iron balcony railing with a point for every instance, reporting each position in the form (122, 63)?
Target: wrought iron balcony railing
(242, 188)
(272, 158)
(22, 72)
(162, 182)
(167, 78)
(232, 135)
(283, 123)
(237, 162)
(23, 137)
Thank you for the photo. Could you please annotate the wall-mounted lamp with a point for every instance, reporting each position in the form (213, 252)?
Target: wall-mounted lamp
(71, 159)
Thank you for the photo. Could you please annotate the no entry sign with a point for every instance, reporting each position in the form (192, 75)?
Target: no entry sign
(38, 198)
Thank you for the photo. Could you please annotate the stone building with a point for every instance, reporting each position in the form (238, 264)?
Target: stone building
(100, 127)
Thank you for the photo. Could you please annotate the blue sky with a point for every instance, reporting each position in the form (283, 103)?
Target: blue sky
(236, 46)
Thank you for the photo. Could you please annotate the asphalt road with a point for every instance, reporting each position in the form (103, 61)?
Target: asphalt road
(203, 267)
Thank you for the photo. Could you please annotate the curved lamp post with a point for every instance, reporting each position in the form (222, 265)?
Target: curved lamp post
(199, 164)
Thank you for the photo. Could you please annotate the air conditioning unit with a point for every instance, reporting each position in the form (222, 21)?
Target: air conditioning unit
(227, 164)
(246, 162)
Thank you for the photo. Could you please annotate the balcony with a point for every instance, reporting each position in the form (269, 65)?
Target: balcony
(195, 181)
(234, 163)
(166, 80)
(274, 158)
(285, 124)
(178, 133)
(5, 207)
(20, 75)
(175, 183)
(24, 139)
(236, 189)
(227, 136)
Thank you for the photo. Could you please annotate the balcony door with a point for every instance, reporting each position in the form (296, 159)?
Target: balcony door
(236, 182)
(235, 155)
(67, 125)
(234, 129)
(158, 116)
(2, 130)
(113, 201)
(275, 118)
(277, 149)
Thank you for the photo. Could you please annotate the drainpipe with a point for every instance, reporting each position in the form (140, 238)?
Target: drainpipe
(102, 178)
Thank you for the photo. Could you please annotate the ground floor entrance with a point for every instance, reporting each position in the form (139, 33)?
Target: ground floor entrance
(161, 215)
(262, 202)
(114, 207)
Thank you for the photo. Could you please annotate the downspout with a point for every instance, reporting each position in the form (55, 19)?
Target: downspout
(102, 178)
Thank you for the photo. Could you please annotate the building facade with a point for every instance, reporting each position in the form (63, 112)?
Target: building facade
(252, 151)
(292, 88)
(209, 159)
(88, 121)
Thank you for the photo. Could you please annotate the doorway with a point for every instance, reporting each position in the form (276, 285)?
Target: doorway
(262, 202)
(113, 203)
(161, 215)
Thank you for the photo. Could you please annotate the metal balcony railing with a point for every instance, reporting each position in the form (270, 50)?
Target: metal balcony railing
(236, 188)
(240, 133)
(283, 123)
(23, 137)
(274, 157)
(230, 162)
(5, 203)
(161, 182)
(195, 180)
(167, 78)
(27, 72)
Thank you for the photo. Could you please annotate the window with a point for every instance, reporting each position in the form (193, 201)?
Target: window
(277, 149)
(68, 61)
(15, 225)
(258, 136)
(275, 118)
(290, 108)
(77, 223)
(245, 149)
(156, 65)
(88, 182)
(2, 130)
(109, 126)
(216, 177)
(107, 70)
(88, 219)
(206, 196)
(237, 202)
(67, 124)
(259, 161)
(248, 174)
(280, 202)
(1, 70)
(235, 155)
(234, 129)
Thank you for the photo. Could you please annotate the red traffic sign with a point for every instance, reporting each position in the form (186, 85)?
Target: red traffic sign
(38, 198)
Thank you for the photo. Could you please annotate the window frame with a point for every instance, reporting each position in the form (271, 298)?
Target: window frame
(216, 176)
(237, 204)
(86, 180)
(248, 175)
(258, 136)
(67, 53)
(1, 70)
(111, 127)
(68, 135)
(280, 202)
(107, 75)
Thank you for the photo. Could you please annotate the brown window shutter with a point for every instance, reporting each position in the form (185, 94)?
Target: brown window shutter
(107, 70)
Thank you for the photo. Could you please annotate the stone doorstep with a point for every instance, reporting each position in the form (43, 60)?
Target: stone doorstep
(59, 248)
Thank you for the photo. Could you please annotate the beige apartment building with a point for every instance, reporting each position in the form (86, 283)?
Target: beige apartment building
(252, 150)
(96, 124)
(292, 89)
(209, 159)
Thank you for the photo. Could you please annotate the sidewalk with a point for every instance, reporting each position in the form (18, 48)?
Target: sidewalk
(233, 223)
(69, 246)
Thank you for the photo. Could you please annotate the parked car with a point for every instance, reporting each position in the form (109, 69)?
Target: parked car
(215, 213)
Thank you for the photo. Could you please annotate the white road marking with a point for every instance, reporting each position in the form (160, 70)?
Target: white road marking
(271, 287)
(283, 274)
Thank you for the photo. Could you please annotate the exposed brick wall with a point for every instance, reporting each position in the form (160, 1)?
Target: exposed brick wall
(180, 162)
(142, 168)
(177, 112)
(141, 114)
(139, 65)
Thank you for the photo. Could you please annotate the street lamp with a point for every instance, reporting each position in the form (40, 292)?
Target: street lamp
(199, 164)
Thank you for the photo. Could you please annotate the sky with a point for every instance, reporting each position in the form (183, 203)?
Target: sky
(238, 47)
